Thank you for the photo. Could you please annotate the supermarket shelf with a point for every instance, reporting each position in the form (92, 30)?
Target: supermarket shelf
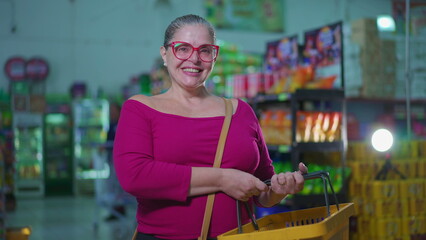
(270, 98)
(309, 146)
(384, 100)
(279, 148)
(318, 94)
(319, 146)
(301, 94)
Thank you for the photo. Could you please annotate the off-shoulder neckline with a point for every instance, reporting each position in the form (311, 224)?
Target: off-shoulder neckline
(236, 112)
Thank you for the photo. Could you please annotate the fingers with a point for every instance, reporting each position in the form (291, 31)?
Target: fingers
(261, 186)
(242, 186)
(256, 188)
(287, 183)
(245, 195)
(302, 168)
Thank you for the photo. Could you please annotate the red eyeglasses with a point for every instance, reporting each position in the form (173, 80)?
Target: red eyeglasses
(184, 50)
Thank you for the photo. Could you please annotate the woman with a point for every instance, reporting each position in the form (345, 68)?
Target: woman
(165, 146)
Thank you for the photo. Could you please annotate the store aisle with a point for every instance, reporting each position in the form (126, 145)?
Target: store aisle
(69, 218)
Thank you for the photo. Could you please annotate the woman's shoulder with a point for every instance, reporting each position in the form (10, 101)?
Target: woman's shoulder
(138, 102)
(244, 108)
(144, 99)
(241, 104)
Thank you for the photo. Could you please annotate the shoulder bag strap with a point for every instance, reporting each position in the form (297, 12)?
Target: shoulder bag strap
(217, 162)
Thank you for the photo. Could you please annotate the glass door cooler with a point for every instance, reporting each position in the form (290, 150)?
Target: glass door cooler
(28, 145)
(91, 123)
(58, 150)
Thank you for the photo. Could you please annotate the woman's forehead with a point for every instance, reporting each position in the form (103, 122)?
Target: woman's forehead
(195, 34)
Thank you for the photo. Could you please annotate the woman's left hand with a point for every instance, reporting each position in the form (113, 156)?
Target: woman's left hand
(289, 182)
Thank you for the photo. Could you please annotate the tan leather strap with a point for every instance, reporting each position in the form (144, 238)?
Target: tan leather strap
(135, 233)
(217, 161)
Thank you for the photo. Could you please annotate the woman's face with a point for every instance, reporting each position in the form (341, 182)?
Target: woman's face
(191, 73)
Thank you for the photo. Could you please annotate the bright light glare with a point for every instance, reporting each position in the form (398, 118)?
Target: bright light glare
(382, 140)
(385, 23)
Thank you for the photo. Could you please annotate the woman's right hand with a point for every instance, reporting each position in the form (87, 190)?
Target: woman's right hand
(241, 185)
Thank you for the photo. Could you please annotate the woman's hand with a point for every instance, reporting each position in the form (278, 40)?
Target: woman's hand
(283, 184)
(241, 185)
(289, 182)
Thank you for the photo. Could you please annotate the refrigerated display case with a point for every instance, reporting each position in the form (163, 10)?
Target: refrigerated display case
(28, 146)
(58, 150)
(91, 123)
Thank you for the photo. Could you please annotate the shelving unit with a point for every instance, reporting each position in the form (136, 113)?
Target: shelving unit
(4, 106)
(2, 198)
(91, 123)
(321, 97)
(28, 139)
(265, 101)
(326, 100)
(58, 150)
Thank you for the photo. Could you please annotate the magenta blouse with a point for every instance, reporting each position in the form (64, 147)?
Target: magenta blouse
(153, 156)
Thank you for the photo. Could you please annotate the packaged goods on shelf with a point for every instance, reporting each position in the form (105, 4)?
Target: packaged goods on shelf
(318, 126)
(232, 72)
(276, 127)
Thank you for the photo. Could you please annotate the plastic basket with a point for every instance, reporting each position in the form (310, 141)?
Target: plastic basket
(18, 233)
(311, 224)
(329, 222)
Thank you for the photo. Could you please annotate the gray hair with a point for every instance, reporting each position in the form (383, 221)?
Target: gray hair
(183, 21)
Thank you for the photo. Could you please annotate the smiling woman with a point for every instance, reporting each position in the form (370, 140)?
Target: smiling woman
(190, 56)
(165, 147)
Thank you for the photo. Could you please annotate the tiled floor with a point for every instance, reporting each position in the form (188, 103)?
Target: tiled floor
(70, 218)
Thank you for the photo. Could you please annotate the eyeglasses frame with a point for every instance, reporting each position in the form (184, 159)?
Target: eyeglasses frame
(172, 44)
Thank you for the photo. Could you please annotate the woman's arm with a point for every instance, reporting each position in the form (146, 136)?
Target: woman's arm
(241, 185)
(136, 169)
(235, 183)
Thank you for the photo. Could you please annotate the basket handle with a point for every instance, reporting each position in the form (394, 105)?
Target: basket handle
(325, 176)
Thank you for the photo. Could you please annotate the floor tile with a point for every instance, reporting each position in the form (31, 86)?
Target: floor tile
(70, 218)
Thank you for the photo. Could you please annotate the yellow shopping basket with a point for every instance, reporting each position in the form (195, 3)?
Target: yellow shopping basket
(18, 233)
(320, 223)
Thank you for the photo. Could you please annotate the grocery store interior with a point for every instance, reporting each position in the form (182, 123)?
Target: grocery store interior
(337, 84)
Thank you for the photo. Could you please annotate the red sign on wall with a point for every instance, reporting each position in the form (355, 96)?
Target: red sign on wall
(15, 68)
(19, 69)
(37, 69)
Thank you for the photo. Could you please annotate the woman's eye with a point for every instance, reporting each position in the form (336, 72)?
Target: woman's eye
(183, 48)
(206, 50)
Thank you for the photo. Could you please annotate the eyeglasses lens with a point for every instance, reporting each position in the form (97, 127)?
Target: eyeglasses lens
(184, 51)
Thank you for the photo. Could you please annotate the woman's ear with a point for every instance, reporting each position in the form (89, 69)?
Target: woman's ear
(163, 51)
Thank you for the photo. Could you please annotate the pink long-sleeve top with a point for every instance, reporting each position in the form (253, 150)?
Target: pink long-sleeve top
(153, 156)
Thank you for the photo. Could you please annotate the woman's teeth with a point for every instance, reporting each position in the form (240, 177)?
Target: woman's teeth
(191, 70)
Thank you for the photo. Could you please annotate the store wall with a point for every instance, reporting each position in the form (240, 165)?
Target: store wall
(105, 42)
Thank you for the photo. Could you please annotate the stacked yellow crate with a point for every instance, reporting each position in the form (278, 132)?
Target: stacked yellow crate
(391, 209)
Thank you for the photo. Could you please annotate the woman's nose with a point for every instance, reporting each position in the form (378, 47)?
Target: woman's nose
(195, 56)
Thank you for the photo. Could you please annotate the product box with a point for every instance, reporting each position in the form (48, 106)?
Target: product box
(364, 25)
(240, 85)
(255, 84)
(37, 103)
